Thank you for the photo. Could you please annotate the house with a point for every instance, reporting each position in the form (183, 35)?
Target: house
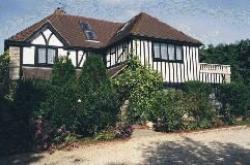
(172, 53)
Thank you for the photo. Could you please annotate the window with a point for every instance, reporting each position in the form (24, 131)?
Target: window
(178, 53)
(88, 31)
(164, 51)
(171, 54)
(51, 56)
(167, 52)
(41, 55)
(46, 56)
(157, 50)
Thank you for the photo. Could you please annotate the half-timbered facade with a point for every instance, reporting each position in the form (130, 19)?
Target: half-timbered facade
(172, 53)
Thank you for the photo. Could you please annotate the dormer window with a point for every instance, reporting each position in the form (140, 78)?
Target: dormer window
(88, 31)
(123, 27)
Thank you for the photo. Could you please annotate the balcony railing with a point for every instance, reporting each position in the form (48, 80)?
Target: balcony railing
(215, 73)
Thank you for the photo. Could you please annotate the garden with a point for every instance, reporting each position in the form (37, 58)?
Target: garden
(39, 115)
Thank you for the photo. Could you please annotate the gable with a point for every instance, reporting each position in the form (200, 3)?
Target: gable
(46, 36)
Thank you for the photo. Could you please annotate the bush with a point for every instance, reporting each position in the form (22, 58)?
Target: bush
(235, 101)
(198, 105)
(123, 131)
(16, 127)
(120, 132)
(167, 110)
(61, 105)
(98, 104)
(4, 73)
(63, 72)
(136, 84)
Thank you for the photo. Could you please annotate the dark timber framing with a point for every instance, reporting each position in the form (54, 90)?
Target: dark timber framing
(116, 53)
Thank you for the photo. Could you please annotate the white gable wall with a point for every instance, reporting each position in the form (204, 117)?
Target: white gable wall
(29, 52)
(54, 41)
(39, 40)
(47, 33)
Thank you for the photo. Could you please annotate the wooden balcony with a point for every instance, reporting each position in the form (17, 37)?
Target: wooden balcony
(215, 73)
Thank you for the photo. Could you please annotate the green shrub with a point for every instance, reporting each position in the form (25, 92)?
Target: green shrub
(63, 72)
(4, 73)
(136, 84)
(105, 135)
(61, 105)
(167, 110)
(120, 131)
(198, 105)
(16, 126)
(98, 104)
(29, 94)
(235, 101)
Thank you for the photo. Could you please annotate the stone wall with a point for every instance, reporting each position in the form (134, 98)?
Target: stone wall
(14, 67)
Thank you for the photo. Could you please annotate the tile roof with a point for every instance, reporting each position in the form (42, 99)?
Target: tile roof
(68, 26)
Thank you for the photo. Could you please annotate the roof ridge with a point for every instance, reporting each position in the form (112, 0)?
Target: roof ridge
(91, 18)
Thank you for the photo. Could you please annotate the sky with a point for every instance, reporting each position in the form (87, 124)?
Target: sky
(210, 21)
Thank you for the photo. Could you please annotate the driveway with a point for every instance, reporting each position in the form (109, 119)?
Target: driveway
(219, 146)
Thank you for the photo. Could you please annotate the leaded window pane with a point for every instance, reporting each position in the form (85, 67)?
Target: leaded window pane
(157, 50)
(171, 52)
(164, 51)
(179, 53)
(51, 56)
(41, 55)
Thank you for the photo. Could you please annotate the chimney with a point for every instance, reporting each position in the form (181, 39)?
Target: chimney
(59, 11)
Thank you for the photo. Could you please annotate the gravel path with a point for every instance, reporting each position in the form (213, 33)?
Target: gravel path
(218, 146)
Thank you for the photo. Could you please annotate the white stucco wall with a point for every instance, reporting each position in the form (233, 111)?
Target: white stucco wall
(53, 40)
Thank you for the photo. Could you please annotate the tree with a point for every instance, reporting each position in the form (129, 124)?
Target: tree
(4, 73)
(98, 105)
(61, 105)
(237, 55)
(63, 72)
(136, 84)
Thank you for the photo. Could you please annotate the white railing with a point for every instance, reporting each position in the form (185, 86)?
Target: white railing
(215, 73)
(215, 68)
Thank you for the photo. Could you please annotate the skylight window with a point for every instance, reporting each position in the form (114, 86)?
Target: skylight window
(88, 31)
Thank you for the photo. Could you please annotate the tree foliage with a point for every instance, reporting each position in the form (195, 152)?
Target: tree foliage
(63, 72)
(198, 104)
(237, 55)
(98, 103)
(232, 96)
(4, 73)
(167, 110)
(136, 84)
(60, 106)
(235, 101)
